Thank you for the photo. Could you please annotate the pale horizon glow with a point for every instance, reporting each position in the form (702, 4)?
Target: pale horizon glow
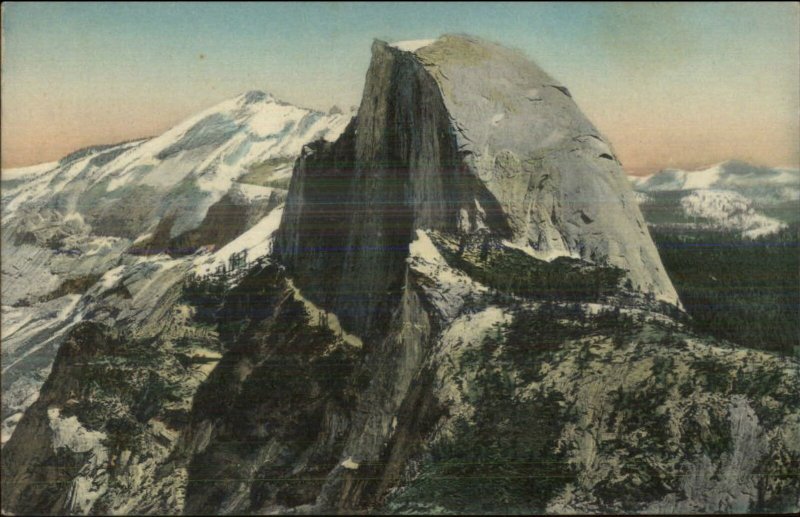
(670, 85)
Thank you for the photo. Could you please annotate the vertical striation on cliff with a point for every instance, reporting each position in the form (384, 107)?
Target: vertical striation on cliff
(353, 205)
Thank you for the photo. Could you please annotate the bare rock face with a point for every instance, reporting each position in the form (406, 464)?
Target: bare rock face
(458, 135)
(558, 181)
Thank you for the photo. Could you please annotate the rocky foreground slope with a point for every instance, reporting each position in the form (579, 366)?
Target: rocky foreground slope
(462, 311)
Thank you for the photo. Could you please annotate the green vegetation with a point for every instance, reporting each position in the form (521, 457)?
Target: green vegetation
(114, 385)
(209, 293)
(788, 211)
(301, 374)
(713, 439)
(533, 336)
(506, 461)
(665, 208)
(509, 270)
(745, 291)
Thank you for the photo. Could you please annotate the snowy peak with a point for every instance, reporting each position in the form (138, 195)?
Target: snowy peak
(762, 184)
(729, 196)
(254, 96)
(728, 210)
(182, 171)
(412, 45)
(100, 221)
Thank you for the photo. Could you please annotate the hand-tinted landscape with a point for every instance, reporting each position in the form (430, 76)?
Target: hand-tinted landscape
(362, 258)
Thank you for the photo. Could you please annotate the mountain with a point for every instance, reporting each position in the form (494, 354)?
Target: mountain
(457, 308)
(727, 236)
(181, 172)
(513, 157)
(730, 196)
(73, 230)
(761, 184)
(729, 210)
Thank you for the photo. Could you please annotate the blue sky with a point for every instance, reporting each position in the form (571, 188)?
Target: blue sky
(670, 84)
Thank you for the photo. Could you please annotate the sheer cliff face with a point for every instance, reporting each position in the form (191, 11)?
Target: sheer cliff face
(459, 135)
(353, 205)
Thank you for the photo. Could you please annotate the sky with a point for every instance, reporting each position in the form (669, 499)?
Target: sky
(670, 84)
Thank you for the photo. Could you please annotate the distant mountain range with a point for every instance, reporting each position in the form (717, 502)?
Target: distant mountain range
(732, 195)
(760, 184)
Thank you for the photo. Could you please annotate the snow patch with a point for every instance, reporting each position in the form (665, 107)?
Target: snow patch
(257, 241)
(730, 210)
(350, 464)
(68, 432)
(27, 172)
(253, 192)
(450, 286)
(101, 245)
(143, 237)
(480, 218)
(702, 179)
(111, 277)
(9, 424)
(412, 45)
(318, 315)
(547, 256)
(87, 486)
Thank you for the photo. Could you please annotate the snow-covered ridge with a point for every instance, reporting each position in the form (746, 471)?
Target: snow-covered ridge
(29, 172)
(727, 196)
(731, 211)
(760, 184)
(257, 242)
(208, 151)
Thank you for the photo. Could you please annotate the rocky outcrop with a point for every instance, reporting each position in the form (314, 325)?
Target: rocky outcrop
(225, 220)
(557, 180)
(353, 205)
(462, 136)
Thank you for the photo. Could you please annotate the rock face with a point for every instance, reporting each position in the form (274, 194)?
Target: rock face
(457, 135)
